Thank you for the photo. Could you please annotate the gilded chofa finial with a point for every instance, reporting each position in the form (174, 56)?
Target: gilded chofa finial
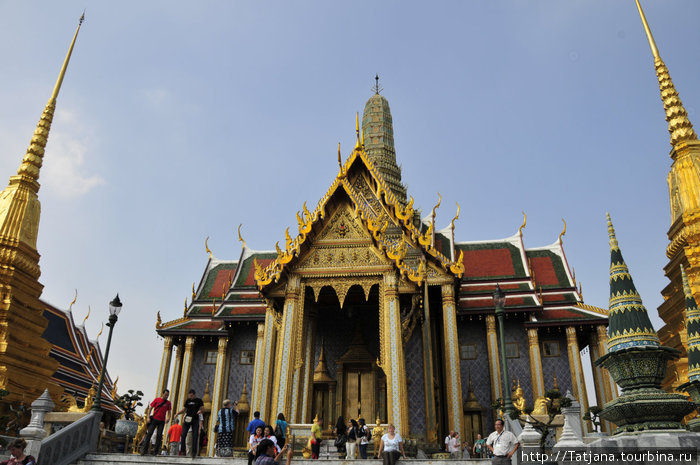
(679, 126)
(611, 233)
(184, 312)
(194, 293)
(520, 229)
(87, 316)
(240, 238)
(33, 159)
(70, 307)
(206, 247)
(357, 129)
(563, 232)
(100, 333)
(452, 223)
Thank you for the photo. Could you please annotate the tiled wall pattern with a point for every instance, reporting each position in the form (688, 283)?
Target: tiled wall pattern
(519, 368)
(556, 365)
(243, 337)
(474, 332)
(200, 371)
(415, 380)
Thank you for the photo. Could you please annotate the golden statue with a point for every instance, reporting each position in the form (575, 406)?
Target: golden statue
(89, 399)
(540, 406)
(518, 398)
(141, 432)
(377, 433)
(69, 401)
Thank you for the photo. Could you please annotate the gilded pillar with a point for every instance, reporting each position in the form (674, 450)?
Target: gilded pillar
(175, 386)
(218, 397)
(164, 365)
(307, 372)
(578, 383)
(392, 355)
(494, 365)
(259, 363)
(287, 360)
(600, 378)
(536, 376)
(185, 372)
(453, 380)
(428, 372)
(608, 381)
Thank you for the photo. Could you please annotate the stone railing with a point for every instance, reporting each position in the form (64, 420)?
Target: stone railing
(72, 442)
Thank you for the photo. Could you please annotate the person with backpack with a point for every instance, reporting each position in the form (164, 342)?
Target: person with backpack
(280, 429)
(365, 434)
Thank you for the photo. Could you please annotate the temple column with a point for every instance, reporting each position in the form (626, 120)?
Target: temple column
(164, 365)
(298, 358)
(307, 371)
(174, 387)
(453, 380)
(536, 376)
(578, 383)
(608, 381)
(218, 397)
(494, 365)
(428, 372)
(185, 372)
(393, 362)
(288, 361)
(605, 388)
(264, 364)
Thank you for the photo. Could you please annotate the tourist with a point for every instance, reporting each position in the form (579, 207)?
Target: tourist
(447, 440)
(341, 437)
(365, 434)
(173, 434)
(268, 455)
(253, 441)
(160, 414)
(502, 444)
(351, 444)
(391, 446)
(453, 445)
(254, 423)
(268, 433)
(281, 430)
(192, 410)
(226, 419)
(479, 447)
(16, 448)
(316, 438)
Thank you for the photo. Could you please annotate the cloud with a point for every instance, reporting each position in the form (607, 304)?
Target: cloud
(69, 144)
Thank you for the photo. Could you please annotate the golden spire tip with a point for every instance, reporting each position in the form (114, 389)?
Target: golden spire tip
(611, 233)
(647, 29)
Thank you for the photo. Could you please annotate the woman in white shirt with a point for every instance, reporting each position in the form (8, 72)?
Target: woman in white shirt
(391, 446)
(253, 442)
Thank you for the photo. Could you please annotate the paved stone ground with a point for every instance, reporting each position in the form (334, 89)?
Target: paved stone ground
(122, 459)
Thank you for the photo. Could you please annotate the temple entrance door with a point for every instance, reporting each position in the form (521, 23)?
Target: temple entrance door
(360, 387)
(321, 401)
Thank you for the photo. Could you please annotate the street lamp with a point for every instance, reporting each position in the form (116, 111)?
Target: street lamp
(499, 300)
(115, 307)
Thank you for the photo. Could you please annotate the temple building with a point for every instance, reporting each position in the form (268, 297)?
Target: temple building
(370, 311)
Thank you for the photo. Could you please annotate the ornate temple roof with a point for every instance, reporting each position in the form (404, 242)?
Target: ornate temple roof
(629, 322)
(79, 358)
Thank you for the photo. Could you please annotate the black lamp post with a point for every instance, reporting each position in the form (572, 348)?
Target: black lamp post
(499, 300)
(115, 307)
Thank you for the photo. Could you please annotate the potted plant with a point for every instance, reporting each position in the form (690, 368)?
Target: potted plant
(128, 403)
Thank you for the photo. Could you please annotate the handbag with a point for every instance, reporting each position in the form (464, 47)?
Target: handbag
(340, 440)
(188, 419)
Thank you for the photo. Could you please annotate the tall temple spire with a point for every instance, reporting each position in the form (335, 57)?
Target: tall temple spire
(25, 370)
(629, 324)
(31, 164)
(378, 135)
(679, 126)
(692, 326)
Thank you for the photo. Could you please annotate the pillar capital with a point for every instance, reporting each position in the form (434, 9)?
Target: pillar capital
(491, 323)
(571, 334)
(448, 291)
(532, 336)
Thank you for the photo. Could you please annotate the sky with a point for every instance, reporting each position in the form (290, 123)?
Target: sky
(178, 121)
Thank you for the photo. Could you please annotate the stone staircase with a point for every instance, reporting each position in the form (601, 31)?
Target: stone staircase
(130, 459)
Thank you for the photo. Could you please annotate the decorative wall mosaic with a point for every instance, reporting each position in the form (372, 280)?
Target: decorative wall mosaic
(243, 337)
(200, 371)
(474, 332)
(519, 368)
(556, 365)
(415, 380)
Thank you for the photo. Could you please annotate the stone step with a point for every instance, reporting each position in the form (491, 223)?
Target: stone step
(130, 459)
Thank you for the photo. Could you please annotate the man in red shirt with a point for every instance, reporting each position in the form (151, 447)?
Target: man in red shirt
(160, 413)
(174, 433)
